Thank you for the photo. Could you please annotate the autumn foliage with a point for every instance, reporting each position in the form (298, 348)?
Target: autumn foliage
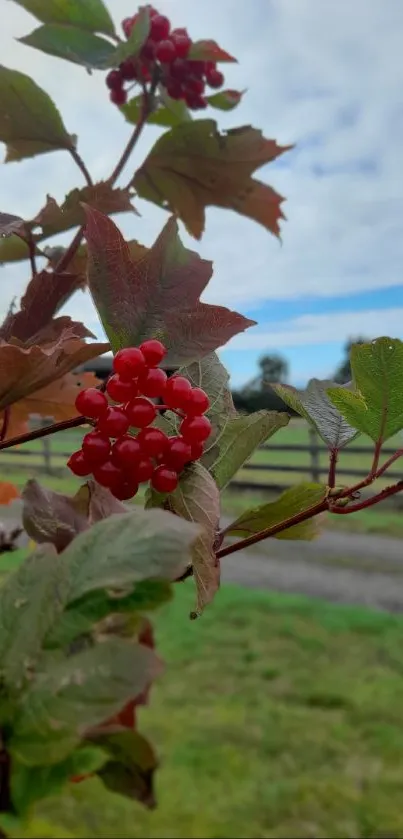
(77, 652)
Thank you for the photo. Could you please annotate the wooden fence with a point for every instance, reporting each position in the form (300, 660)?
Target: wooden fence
(47, 459)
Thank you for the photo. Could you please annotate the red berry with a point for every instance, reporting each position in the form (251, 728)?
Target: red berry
(197, 451)
(120, 390)
(114, 80)
(196, 68)
(109, 475)
(165, 52)
(144, 470)
(127, 25)
(195, 429)
(153, 382)
(153, 352)
(96, 447)
(182, 44)
(145, 72)
(177, 391)
(126, 452)
(91, 402)
(140, 412)
(164, 479)
(78, 464)
(128, 70)
(214, 78)
(114, 423)
(160, 27)
(148, 50)
(118, 96)
(129, 363)
(153, 442)
(124, 491)
(195, 102)
(195, 85)
(198, 402)
(179, 69)
(178, 454)
(175, 90)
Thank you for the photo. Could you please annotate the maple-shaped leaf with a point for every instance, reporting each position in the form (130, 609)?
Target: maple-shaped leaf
(10, 224)
(27, 369)
(56, 400)
(315, 406)
(193, 166)
(46, 293)
(156, 294)
(102, 196)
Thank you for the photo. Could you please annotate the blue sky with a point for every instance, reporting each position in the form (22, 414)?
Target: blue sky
(324, 75)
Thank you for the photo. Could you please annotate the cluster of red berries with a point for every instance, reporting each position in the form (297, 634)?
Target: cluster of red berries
(181, 77)
(117, 459)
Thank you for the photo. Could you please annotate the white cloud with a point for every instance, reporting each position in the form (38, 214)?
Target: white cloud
(325, 75)
(321, 329)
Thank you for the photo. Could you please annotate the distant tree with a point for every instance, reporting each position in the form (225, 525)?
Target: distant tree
(257, 394)
(343, 372)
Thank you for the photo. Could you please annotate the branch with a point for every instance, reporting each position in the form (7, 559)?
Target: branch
(43, 432)
(320, 507)
(32, 249)
(6, 420)
(147, 104)
(368, 502)
(70, 252)
(331, 481)
(81, 165)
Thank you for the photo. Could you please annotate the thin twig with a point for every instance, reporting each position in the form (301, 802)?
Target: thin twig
(334, 453)
(321, 507)
(43, 432)
(32, 257)
(368, 502)
(70, 252)
(81, 165)
(147, 104)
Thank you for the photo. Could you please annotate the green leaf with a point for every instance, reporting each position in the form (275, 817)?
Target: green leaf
(376, 407)
(72, 44)
(241, 436)
(31, 599)
(138, 36)
(78, 693)
(171, 113)
(156, 294)
(295, 500)
(85, 811)
(91, 15)
(208, 51)
(30, 123)
(132, 763)
(197, 499)
(225, 100)
(210, 374)
(30, 784)
(126, 549)
(81, 618)
(193, 166)
(14, 249)
(315, 406)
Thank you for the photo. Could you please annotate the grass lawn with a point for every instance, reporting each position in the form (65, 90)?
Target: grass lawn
(277, 716)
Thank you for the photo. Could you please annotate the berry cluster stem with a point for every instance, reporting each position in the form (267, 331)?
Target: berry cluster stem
(81, 165)
(41, 432)
(147, 104)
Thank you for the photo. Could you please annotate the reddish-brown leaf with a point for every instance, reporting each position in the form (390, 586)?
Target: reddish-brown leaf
(156, 293)
(102, 196)
(10, 225)
(208, 51)
(225, 100)
(193, 166)
(8, 492)
(45, 295)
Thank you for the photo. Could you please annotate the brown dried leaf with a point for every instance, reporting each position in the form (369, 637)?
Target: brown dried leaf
(193, 166)
(8, 492)
(102, 196)
(155, 293)
(10, 225)
(45, 295)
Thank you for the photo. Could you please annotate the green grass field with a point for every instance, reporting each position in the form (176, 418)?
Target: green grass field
(277, 716)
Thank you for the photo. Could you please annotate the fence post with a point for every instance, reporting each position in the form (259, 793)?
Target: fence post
(315, 455)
